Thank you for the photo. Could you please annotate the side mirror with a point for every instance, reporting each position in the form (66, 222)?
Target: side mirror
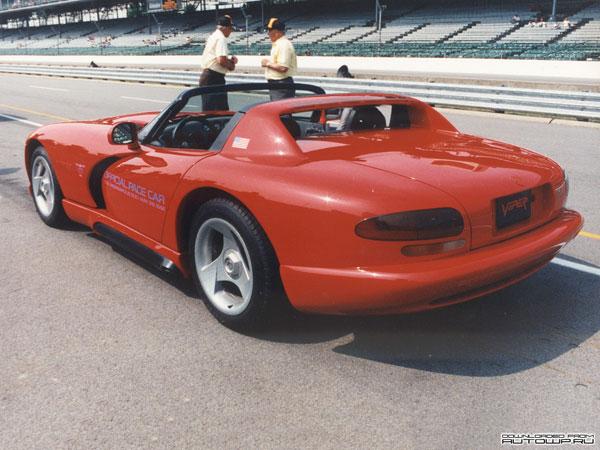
(125, 133)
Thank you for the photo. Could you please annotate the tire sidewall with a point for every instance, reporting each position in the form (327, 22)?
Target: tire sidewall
(258, 248)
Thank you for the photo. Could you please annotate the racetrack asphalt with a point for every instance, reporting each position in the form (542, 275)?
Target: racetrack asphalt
(100, 351)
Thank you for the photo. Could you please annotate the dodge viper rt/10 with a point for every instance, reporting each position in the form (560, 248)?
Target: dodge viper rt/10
(337, 204)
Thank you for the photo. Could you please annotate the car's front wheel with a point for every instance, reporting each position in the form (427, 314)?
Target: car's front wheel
(46, 191)
(234, 264)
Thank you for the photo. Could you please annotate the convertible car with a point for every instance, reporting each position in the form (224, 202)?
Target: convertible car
(338, 204)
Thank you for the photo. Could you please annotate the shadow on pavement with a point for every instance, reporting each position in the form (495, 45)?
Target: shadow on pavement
(9, 170)
(175, 279)
(522, 326)
(517, 328)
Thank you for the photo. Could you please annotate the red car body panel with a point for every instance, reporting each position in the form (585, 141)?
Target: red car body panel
(309, 194)
(429, 284)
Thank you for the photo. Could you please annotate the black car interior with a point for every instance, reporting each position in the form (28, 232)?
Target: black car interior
(191, 131)
(200, 131)
(365, 118)
(357, 118)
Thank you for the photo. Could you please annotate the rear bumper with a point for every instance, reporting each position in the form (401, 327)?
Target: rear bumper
(431, 284)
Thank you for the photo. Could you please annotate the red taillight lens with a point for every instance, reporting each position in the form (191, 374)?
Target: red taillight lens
(412, 225)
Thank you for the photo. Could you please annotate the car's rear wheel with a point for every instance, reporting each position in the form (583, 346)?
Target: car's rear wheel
(46, 191)
(234, 264)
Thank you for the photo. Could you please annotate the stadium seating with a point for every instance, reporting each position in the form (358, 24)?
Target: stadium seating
(466, 28)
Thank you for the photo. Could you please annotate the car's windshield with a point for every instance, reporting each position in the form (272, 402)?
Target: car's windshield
(235, 100)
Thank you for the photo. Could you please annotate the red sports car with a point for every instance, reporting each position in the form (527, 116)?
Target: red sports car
(343, 204)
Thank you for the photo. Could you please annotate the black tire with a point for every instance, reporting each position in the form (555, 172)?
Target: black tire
(234, 265)
(46, 192)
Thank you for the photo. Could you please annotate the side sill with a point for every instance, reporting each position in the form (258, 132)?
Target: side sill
(141, 251)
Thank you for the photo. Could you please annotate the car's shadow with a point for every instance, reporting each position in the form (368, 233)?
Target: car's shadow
(517, 328)
(175, 278)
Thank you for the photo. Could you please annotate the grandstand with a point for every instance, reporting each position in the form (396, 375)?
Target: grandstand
(463, 29)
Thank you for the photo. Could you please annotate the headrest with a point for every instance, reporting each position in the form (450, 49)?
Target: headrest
(367, 118)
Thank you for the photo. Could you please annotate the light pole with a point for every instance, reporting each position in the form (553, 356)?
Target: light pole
(159, 35)
(378, 16)
(553, 10)
(246, 16)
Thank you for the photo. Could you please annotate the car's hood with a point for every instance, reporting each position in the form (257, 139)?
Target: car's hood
(473, 170)
(139, 118)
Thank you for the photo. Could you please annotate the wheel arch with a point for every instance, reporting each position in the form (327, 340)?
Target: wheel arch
(31, 145)
(193, 201)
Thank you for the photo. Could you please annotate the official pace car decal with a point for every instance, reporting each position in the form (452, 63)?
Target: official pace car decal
(135, 191)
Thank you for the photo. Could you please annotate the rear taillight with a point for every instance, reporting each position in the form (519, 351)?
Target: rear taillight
(412, 225)
(433, 249)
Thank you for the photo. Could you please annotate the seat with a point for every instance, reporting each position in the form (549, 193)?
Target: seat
(366, 118)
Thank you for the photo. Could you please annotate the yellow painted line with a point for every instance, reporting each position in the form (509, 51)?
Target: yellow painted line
(590, 235)
(35, 112)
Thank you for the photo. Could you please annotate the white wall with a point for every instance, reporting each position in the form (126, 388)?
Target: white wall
(501, 69)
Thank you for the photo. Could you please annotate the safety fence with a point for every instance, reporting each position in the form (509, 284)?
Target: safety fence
(569, 104)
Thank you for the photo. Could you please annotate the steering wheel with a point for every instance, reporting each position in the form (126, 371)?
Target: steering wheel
(179, 137)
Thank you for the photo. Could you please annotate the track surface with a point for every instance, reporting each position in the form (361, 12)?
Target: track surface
(99, 351)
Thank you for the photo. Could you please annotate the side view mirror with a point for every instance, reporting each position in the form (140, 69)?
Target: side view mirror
(125, 133)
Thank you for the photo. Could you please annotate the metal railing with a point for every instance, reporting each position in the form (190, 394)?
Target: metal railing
(570, 104)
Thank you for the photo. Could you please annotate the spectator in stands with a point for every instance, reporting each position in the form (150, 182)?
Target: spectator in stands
(282, 65)
(216, 62)
(515, 19)
(566, 23)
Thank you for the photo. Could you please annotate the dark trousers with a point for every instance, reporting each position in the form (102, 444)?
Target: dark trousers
(278, 94)
(213, 102)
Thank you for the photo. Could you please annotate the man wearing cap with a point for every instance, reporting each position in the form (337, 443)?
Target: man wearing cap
(281, 66)
(216, 62)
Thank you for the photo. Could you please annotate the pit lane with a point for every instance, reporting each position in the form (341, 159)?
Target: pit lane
(101, 351)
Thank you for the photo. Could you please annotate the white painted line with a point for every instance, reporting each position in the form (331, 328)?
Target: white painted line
(21, 120)
(145, 99)
(577, 266)
(49, 88)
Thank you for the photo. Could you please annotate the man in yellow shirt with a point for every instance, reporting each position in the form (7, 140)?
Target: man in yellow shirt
(282, 65)
(216, 62)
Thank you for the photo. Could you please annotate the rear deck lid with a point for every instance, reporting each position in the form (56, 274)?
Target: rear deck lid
(505, 190)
